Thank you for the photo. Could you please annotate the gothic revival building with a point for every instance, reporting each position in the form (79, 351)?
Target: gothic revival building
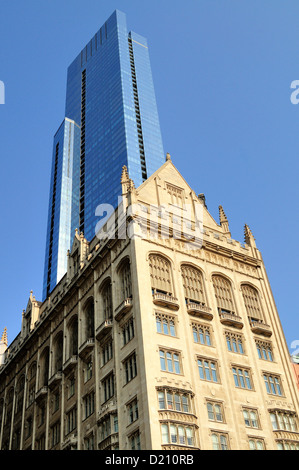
(163, 334)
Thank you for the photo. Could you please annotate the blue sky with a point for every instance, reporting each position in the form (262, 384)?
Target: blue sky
(222, 73)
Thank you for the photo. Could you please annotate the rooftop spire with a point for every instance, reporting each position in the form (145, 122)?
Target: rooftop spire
(125, 175)
(248, 237)
(223, 220)
(4, 337)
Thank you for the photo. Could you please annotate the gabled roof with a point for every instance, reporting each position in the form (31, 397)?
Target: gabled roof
(154, 191)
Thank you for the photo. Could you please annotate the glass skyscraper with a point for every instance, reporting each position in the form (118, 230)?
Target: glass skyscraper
(111, 120)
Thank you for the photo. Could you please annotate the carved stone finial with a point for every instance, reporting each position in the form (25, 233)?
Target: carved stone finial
(124, 175)
(4, 337)
(222, 216)
(223, 220)
(168, 157)
(248, 237)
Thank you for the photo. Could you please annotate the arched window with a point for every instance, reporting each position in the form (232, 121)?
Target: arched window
(58, 352)
(160, 273)
(20, 394)
(89, 320)
(223, 294)
(44, 368)
(193, 284)
(252, 302)
(73, 337)
(125, 279)
(106, 294)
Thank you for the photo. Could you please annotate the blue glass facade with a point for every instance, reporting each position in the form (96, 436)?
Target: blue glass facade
(110, 97)
(63, 201)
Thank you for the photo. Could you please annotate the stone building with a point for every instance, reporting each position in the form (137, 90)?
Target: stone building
(163, 334)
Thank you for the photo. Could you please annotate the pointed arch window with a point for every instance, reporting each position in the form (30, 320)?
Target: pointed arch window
(160, 273)
(126, 282)
(223, 294)
(193, 284)
(73, 337)
(252, 303)
(107, 300)
(44, 368)
(89, 320)
(58, 353)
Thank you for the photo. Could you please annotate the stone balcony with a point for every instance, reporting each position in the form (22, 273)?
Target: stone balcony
(123, 308)
(260, 328)
(41, 393)
(290, 436)
(55, 379)
(109, 442)
(165, 300)
(199, 310)
(231, 319)
(70, 442)
(107, 408)
(104, 328)
(86, 348)
(69, 364)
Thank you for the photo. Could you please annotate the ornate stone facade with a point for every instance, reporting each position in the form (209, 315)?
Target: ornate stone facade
(163, 334)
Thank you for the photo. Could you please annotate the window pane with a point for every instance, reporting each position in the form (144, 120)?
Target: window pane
(169, 362)
(177, 401)
(241, 378)
(253, 418)
(165, 435)
(210, 411)
(173, 433)
(278, 386)
(162, 360)
(214, 373)
(218, 412)
(195, 337)
(200, 368)
(270, 354)
(215, 442)
(158, 324)
(185, 403)
(246, 417)
(235, 377)
(223, 442)
(176, 363)
(161, 399)
(169, 401)
(207, 370)
(247, 378)
(201, 337)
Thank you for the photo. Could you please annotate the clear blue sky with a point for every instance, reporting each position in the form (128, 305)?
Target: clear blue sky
(222, 72)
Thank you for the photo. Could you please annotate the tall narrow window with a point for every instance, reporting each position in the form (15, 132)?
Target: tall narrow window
(107, 300)
(252, 302)
(193, 284)
(58, 351)
(160, 272)
(224, 295)
(73, 337)
(126, 283)
(89, 319)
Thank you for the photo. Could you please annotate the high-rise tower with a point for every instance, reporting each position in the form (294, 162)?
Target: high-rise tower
(111, 120)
